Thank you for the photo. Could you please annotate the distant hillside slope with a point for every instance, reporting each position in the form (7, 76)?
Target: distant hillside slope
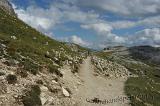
(146, 54)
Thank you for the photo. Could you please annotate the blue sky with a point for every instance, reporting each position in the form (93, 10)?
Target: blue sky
(94, 23)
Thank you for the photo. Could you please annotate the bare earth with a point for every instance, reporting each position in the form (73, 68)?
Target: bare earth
(86, 85)
(98, 87)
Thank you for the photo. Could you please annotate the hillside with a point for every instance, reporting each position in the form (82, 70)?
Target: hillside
(22, 41)
(143, 80)
(31, 64)
(147, 54)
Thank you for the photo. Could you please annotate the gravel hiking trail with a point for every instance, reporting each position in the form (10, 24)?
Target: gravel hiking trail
(98, 87)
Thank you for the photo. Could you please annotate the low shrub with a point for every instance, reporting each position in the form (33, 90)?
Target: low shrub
(2, 73)
(39, 82)
(75, 68)
(22, 73)
(54, 69)
(12, 79)
(31, 97)
(31, 67)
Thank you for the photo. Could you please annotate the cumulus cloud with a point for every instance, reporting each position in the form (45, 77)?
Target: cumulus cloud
(39, 18)
(122, 24)
(100, 28)
(55, 14)
(153, 21)
(146, 37)
(106, 37)
(89, 18)
(77, 40)
(124, 7)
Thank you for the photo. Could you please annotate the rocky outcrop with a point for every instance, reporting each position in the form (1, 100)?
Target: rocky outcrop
(6, 6)
(110, 69)
(51, 89)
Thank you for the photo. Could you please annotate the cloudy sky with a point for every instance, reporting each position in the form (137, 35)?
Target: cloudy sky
(94, 23)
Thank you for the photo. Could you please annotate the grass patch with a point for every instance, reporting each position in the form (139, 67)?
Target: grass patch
(103, 55)
(31, 97)
(145, 88)
(12, 79)
(54, 69)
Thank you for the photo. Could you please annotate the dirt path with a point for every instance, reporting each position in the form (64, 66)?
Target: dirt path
(98, 87)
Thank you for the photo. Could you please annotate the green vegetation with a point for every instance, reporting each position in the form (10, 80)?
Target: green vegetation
(30, 47)
(39, 82)
(31, 97)
(146, 54)
(147, 84)
(103, 54)
(12, 79)
(145, 87)
(2, 73)
(21, 73)
(75, 68)
(54, 69)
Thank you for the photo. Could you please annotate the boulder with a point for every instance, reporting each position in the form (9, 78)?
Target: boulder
(44, 89)
(65, 92)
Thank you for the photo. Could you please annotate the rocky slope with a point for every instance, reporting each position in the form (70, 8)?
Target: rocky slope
(6, 6)
(142, 62)
(110, 69)
(32, 64)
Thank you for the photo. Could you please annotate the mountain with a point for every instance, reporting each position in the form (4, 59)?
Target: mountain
(6, 6)
(32, 63)
(146, 54)
(36, 70)
(21, 40)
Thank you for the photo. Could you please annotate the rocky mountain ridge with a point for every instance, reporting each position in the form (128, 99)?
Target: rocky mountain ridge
(6, 6)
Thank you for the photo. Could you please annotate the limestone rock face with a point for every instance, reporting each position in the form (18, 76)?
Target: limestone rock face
(6, 6)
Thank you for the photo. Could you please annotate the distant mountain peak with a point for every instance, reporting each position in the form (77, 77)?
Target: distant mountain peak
(6, 6)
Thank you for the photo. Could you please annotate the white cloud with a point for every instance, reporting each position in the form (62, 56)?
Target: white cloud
(100, 28)
(146, 37)
(122, 24)
(153, 21)
(77, 40)
(45, 20)
(124, 7)
(150, 21)
(106, 37)
(39, 18)
(57, 13)
(81, 17)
